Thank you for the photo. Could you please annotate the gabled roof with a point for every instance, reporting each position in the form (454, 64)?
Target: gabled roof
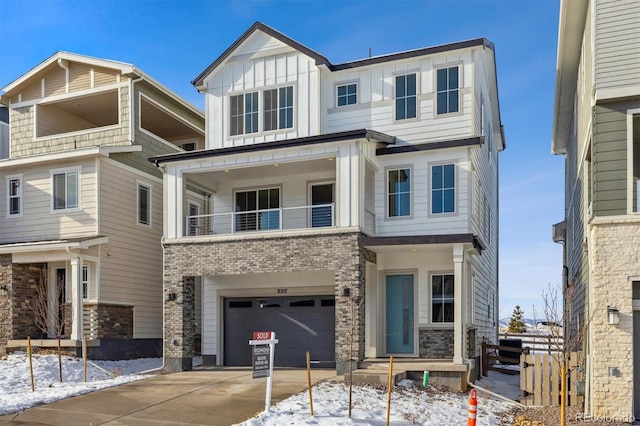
(60, 58)
(321, 60)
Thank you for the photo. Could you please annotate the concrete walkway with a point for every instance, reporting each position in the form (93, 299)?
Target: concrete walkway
(201, 397)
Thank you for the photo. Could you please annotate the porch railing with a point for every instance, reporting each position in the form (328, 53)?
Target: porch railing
(282, 218)
(90, 321)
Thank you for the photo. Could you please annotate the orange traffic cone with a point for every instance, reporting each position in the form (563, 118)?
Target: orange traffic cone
(473, 408)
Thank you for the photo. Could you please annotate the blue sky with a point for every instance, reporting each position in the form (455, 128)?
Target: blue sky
(173, 41)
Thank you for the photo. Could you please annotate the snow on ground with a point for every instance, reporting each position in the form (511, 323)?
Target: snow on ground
(15, 379)
(410, 404)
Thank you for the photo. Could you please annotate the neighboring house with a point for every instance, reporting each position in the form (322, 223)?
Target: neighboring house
(81, 222)
(354, 201)
(597, 129)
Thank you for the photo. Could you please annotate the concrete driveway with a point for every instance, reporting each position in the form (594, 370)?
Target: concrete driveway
(222, 396)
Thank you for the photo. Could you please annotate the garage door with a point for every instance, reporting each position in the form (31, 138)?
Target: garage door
(301, 323)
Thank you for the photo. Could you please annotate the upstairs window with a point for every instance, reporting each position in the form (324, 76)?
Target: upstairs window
(144, 204)
(66, 193)
(399, 192)
(244, 113)
(443, 189)
(14, 191)
(278, 108)
(448, 90)
(406, 91)
(347, 94)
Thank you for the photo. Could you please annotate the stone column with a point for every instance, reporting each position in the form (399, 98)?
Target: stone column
(458, 305)
(179, 323)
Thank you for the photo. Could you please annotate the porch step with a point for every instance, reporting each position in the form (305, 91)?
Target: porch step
(372, 376)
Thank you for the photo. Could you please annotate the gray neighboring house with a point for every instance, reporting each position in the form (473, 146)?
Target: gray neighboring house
(597, 128)
(81, 206)
(354, 201)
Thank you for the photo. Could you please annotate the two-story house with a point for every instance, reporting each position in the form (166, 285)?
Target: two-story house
(81, 206)
(352, 208)
(597, 129)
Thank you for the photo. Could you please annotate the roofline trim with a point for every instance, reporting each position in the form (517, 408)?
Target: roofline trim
(428, 146)
(370, 135)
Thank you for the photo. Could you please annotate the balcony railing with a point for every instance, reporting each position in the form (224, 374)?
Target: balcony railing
(283, 218)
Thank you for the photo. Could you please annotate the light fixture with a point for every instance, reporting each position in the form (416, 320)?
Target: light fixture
(413, 250)
(276, 165)
(330, 158)
(226, 170)
(612, 313)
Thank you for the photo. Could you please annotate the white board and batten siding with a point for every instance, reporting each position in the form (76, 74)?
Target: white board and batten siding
(422, 222)
(262, 63)
(375, 108)
(617, 44)
(131, 262)
(39, 222)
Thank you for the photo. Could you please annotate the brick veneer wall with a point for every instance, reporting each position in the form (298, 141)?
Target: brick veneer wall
(615, 258)
(338, 252)
(436, 343)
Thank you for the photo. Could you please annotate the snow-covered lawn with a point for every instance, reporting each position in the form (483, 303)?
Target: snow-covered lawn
(15, 380)
(411, 403)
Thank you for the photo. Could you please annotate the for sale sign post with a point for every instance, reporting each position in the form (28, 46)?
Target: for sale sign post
(264, 346)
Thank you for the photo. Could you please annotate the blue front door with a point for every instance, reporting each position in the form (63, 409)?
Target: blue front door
(399, 314)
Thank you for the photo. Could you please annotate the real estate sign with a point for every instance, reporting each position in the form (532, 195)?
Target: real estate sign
(264, 346)
(261, 358)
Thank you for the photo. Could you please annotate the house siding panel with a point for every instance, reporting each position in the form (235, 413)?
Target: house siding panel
(617, 43)
(131, 272)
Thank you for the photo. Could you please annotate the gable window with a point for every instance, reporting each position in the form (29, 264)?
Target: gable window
(257, 210)
(399, 192)
(278, 108)
(406, 96)
(442, 298)
(14, 191)
(443, 189)
(65, 190)
(244, 113)
(448, 90)
(347, 94)
(144, 204)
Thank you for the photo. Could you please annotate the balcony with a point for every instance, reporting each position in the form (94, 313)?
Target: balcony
(262, 220)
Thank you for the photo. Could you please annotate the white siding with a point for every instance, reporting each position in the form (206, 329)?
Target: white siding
(131, 263)
(617, 43)
(39, 222)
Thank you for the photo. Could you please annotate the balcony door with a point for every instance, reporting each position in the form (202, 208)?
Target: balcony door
(321, 198)
(258, 209)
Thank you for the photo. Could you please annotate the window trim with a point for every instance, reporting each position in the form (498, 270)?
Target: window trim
(386, 192)
(456, 188)
(630, 186)
(417, 96)
(460, 66)
(149, 188)
(66, 171)
(446, 324)
(20, 196)
(343, 84)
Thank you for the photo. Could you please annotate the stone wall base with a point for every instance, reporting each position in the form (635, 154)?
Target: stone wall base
(175, 365)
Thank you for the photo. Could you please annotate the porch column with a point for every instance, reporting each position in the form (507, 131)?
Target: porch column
(458, 304)
(76, 299)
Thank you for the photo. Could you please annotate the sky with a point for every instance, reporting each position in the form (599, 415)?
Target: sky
(174, 41)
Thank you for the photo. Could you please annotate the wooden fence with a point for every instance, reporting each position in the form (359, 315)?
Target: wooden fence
(540, 379)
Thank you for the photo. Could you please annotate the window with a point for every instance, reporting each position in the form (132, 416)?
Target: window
(258, 210)
(448, 90)
(144, 204)
(399, 192)
(443, 189)
(65, 190)
(85, 282)
(278, 108)
(14, 191)
(442, 297)
(244, 113)
(406, 96)
(347, 94)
